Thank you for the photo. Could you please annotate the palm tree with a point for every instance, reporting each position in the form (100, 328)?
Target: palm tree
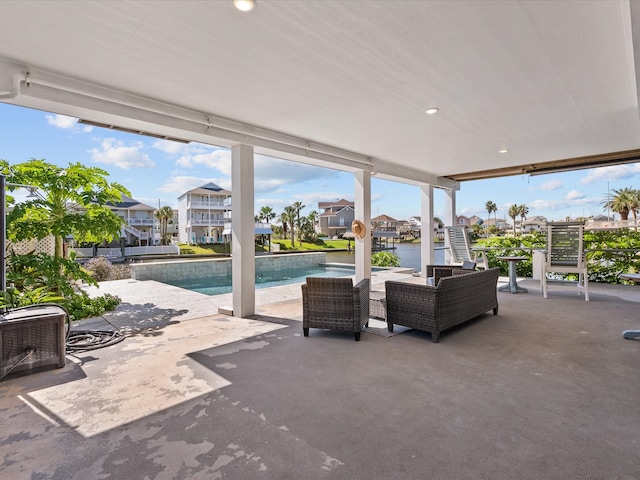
(491, 207)
(290, 216)
(164, 216)
(523, 211)
(267, 214)
(284, 221)
(623, 201)
(298, 206)
(514, 211)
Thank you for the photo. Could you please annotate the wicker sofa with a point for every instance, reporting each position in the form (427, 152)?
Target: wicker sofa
(455, 299)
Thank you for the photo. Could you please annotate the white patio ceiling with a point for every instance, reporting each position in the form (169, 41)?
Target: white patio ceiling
(343, 83)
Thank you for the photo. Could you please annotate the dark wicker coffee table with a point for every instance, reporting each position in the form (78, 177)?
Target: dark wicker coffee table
(377, 305)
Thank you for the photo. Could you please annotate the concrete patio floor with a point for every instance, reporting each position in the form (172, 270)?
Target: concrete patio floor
(547, 389)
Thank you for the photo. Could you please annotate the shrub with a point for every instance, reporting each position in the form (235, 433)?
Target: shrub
(100, 268)
(385, 259)
(82, 305)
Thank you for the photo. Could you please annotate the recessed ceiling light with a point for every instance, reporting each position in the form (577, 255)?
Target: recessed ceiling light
(432, 110)
(503, 150)
(244, 5)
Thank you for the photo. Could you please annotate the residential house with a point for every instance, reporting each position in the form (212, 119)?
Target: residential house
(533, 224)
(462, 221)
(139, 221)
(414, 226)
(202, 213)
(335, 217)
(500, 223)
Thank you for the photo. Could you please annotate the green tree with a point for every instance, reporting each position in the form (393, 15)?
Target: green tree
(267, 214)
(514, 211)
(491, 207)
(623, 202)
(74, 202)
(164, 216)
(284, 221)
(298, 206)
(523, 211)
(290, 217)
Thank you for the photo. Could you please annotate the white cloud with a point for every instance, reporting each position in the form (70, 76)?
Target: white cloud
(61, 121)
(181, 184)
(549, 185)
(575, 195)
(615, 172)
(274, 174)
(219, 159)
(115, 152)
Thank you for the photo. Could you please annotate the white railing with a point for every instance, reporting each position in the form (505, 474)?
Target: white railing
(138, 233)
(211, 223)
(110, 252)
(153, 250)
(83, 252)
(128, 251)
(216, 205)
(147, 222)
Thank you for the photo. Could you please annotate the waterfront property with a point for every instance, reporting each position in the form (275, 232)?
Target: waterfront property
(545, 389)
(202, 214)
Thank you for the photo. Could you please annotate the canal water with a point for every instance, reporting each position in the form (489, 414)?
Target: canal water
(409, 254)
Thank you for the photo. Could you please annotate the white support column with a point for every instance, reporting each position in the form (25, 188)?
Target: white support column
(427, 240)
(243, 262)
(449, 218)
(363, 213)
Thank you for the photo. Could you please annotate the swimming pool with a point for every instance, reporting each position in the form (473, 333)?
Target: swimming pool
(216, 285)
(213, 276)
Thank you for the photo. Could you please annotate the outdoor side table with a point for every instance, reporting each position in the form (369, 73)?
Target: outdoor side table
(512, 286)
(634, 277)
(377, 305)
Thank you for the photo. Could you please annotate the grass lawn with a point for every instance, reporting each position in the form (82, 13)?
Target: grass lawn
(218, 248)
(319, 245)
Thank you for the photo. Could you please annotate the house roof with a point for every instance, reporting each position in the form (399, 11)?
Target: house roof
(383, 218)
(337, 203)
(555, 83)
(130, 204)
(208, 189)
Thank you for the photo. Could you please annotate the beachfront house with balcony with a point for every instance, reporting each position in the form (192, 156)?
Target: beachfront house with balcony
(202, 213)
(335, 217)
(139, 221)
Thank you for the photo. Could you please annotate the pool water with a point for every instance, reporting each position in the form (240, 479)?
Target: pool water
(222, 284)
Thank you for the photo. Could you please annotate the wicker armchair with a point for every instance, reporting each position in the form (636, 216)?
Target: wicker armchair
(436, 272)
(336, 304)
(454, 300)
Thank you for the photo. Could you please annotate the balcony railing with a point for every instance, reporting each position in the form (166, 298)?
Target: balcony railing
(147, 222)
(207, 205)
(205, 222)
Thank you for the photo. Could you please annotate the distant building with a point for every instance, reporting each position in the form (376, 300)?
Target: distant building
(533, 224)
(139, 218)
(462, 221)
(335, 218)
(500, 223)
(202, 213)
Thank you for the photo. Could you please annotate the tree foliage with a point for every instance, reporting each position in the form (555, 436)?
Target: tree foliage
(164, 216)
(72, 201)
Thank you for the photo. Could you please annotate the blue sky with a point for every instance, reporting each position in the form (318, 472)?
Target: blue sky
(158, 171)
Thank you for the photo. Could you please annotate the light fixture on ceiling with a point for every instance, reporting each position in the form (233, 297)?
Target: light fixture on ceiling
(432, 110)
(503, 150)
(244, 5)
